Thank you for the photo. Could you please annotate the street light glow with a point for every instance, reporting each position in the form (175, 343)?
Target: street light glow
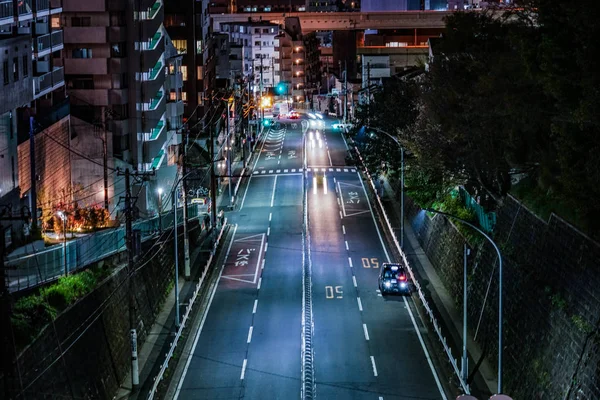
(160, 191)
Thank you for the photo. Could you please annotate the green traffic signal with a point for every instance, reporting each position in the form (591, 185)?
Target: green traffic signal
(280, 88)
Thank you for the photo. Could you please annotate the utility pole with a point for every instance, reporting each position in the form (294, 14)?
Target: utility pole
(186, 240)
(345, 90)
(176, 235)
(135, 377)
(465, 360)
(368, 93)
(213, 186)
(32, 174)
(228, 147)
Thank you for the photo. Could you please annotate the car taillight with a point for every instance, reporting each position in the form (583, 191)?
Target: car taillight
(402, 278)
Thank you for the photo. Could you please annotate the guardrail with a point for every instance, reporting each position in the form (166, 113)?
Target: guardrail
(34, 269)
(186, 317)
(453, 361)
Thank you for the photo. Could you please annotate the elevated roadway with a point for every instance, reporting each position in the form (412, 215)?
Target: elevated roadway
(339, 21)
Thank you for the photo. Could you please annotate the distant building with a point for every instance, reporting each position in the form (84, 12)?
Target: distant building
(405, 5)
(247, 6)
(257, 42)
(298, 66)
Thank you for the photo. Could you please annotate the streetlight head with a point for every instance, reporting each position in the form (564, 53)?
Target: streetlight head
(61, 215)
(160, 191)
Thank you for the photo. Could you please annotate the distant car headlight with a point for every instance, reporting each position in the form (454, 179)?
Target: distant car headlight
(403, 285)
(387, 284)
(312, 122)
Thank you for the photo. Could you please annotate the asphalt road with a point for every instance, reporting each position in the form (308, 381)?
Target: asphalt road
(250, 345)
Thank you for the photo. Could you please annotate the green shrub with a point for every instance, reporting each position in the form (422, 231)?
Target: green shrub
(30, 315)
(69, 289)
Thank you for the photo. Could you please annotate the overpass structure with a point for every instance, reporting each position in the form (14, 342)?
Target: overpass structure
(340, 21)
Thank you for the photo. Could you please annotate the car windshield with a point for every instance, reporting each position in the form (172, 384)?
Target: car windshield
(393, 274)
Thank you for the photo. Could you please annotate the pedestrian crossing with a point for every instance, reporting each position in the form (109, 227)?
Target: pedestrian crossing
(300, 170)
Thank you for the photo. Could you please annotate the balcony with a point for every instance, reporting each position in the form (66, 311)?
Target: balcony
(47, 82)
(24, 10)
(43, 45)
(7, 12)
(41, 29)
(41, 8)
(157, 161)
(152, 50)
(56, 38)
(55, 6)
(174, 109)
(151, 18)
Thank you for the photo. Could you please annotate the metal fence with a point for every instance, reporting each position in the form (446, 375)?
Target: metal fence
(30, 270)
(487, 220)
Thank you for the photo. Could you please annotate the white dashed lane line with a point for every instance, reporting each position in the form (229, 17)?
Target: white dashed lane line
(372, 362)
(244, 369)
(350, 262)
(255, 305)
(354, 281)
(359, 303)
(249, 335)
(344, 229)
(365, 330)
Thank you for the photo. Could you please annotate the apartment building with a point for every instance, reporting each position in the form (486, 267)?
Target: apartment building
(258, 41)
(188, 24)
(126, 110)
(297, 64)
(33, 108)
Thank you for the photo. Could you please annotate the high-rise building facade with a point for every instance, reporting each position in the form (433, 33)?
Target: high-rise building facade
(124, 112)
(188, 24)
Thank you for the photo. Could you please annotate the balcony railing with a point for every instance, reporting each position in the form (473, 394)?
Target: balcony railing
(45, 83)
(157, 160)
(157, 130)
(24, 8)
(57, 40)
(151, 12)
(153, 42)
(42, 7)
(43, 44)
(7, 11)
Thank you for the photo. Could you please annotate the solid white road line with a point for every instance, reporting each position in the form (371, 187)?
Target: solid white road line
(259, 282)
(350, 262)
(244, 369)
(212, 296)
(366, 334)
(249, 335)
(372, 362)
(273, 195)
(359, 303)
(347, 248)
(255, 305)
(354, 281)
(344, 229)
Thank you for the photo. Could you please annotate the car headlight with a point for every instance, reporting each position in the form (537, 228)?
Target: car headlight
(403, 285)
(387, 284)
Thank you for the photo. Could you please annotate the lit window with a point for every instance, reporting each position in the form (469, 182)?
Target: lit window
(180, 45)
(198, 46)
(184, 72)
(184, 96)
(173, 95)
(200, 72)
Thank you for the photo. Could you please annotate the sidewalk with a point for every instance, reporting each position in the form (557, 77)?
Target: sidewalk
(451, 318)
(152, 353)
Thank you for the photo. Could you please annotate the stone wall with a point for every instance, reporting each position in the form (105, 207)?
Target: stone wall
(94, 333)
(551, 298)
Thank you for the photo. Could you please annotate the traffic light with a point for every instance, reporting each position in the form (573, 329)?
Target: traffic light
(267, 122)
(281, 88)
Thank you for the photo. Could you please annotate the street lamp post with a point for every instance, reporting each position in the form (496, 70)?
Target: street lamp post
(63, 217)
(401, 181)
(160, 192)
(500, 317)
